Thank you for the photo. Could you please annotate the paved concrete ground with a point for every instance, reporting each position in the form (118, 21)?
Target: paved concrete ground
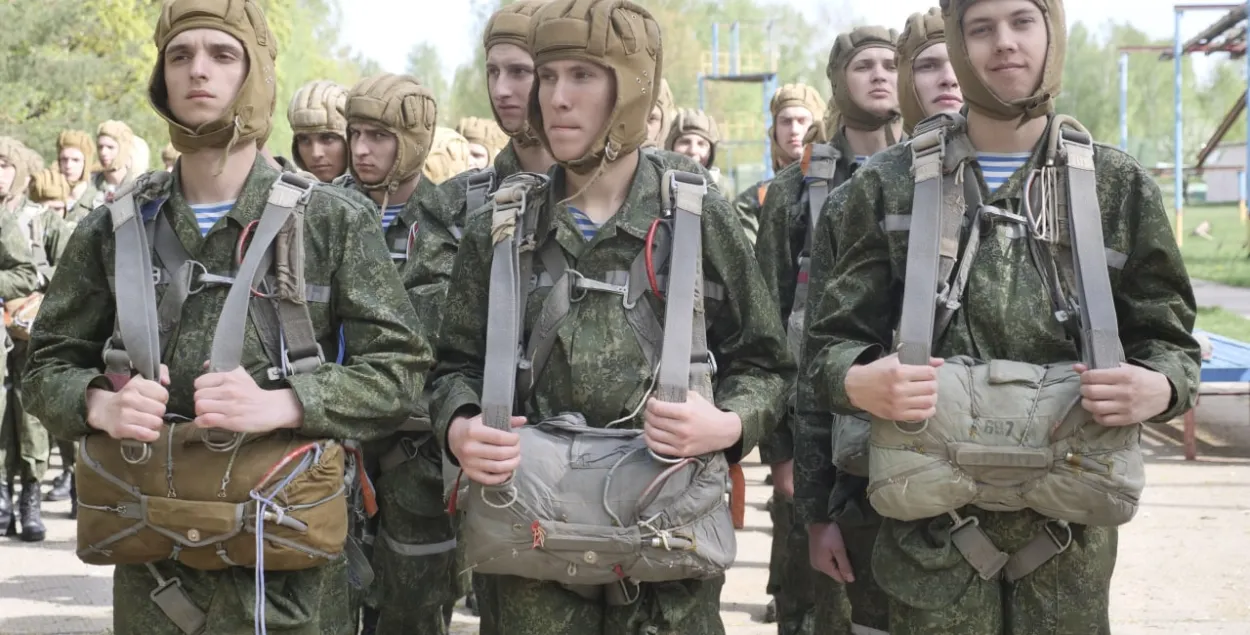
(1232, 299)
(1184, 566)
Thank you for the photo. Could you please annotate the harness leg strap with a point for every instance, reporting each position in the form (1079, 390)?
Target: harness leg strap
(1052, 541)
(174, 603)
(976, 547)
(989, 562)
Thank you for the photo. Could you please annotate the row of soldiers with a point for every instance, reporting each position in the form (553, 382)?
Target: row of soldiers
(804, 271)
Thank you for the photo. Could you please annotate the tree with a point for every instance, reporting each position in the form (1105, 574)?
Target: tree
(425, 65)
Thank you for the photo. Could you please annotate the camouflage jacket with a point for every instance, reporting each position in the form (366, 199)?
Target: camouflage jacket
(777, 247)
(54, 234)
(365, 398)
(18, 276)
(857, 279)
(747, 207)
(596, 366)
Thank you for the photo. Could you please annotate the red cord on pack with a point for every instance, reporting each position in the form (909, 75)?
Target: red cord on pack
(297, 452)
(648, 250)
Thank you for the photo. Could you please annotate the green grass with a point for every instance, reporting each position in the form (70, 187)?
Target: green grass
(1222, 259)
(1224, 323)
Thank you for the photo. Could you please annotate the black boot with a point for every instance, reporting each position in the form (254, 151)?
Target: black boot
(32, 524)
(73, 496)
(60, 487)
(6, 508)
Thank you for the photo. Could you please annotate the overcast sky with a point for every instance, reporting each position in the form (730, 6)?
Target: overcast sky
(448, 23)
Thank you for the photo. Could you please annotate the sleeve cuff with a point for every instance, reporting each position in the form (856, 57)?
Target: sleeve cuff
(752, 430)
(307, 387)
(1183, 389)
(72, 423)
(443, 411)
(812, 508)
(779, 446)
(836, 369)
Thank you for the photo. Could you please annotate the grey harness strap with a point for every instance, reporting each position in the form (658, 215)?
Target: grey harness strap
(936, 218)
(684, 357)
(174, 603)
(478, 187)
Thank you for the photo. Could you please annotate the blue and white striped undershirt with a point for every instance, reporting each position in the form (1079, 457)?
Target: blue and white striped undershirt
(390, 214)
(997, 167)
(588, 227)
(861, 158)
(207, 214)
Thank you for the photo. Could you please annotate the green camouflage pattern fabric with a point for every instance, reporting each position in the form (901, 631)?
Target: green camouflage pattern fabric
(90, 199)
(597, 368)
(857, 280)
(365, 399)
(411, 592)
(24, 444)
(807, 599)
(747, 208)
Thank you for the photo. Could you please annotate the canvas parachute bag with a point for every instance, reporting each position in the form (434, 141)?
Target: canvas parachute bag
(1007, 435)
(274, 502)
(589, 506)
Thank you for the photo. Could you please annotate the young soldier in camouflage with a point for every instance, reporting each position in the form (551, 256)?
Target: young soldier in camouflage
(390, 122)
(115, 144)
(214, 84)
(794, 108)
(24, 448)
(449, 156)
(75, 156)
(590, 109)
(660, 118)
(926, 80)
(1008, 57)
(319, 127)
(485, 139)
(861, 77)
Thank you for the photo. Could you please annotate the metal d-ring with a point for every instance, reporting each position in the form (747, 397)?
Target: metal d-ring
(129, 449)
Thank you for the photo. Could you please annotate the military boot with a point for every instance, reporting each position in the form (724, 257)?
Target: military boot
(770, 612)
(73, 497)
(60, 487)
(6, 508)
(32, 524)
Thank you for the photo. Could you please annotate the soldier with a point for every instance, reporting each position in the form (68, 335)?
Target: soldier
(23, 448)
(794, 108)
(485, 139)
(693, 133)
(926, 80)
(660, 118)
(114, 145)
(391, 126)
(169, 156)
(214, 84)
(973, 571)
(449, 156)
(603, 196)
(75, 154)
(319, 144)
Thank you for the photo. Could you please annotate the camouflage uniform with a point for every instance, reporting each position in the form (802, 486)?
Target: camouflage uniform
(363, 399)
(592, 369)
(24, 450)
(413, 544)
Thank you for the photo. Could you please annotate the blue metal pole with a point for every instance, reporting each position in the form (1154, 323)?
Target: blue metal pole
(1179, 200)
(1124, 100)
(1245, 180)
(716, 49)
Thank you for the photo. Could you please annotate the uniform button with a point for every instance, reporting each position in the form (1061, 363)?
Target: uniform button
(193, 535)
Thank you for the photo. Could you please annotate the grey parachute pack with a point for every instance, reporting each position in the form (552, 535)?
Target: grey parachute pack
(210, 498)
(591, 507)
(1052, 456)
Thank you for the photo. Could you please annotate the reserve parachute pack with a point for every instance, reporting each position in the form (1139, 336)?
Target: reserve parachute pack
(1007, 435)
(590, 506)
(211, 499)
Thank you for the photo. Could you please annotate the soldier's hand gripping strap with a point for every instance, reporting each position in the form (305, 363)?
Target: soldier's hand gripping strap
(135, 304)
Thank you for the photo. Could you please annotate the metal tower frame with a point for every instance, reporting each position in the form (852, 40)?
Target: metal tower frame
(767, 79)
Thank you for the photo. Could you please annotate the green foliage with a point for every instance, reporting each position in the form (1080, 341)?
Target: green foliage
(1222, 322)
(76, 63)
(1222, 258)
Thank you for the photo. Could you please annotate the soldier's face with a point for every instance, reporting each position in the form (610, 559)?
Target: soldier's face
(107, 148)
(479, 156)
(576, 99)
(693, 146)
(8, 172)
(71, 163)
(1006, 42)
(204, 69)
(57, 207)
(509, 78)
(374, 151)
(872, 80)
(790, 127)
(936, 85)
(324, 154)
(655, 124)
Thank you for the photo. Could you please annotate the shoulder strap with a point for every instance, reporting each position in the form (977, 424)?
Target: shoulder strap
(685, 325)
(1100, 331)
(137, 326)
(478, 186)
(924, 242)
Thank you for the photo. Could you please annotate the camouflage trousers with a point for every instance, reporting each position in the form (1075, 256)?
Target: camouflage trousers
(228, 597)
(24, 442)
(934, 591)
(415, 552)
(69, 453)
(518, 606)
(810, 602)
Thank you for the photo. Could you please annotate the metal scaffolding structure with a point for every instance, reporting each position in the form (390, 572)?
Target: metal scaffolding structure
(766, 77)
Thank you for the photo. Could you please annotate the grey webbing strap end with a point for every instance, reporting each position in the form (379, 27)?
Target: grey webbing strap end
(1045, 545)
(174, 603)
(976, 547)
(683, 193)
